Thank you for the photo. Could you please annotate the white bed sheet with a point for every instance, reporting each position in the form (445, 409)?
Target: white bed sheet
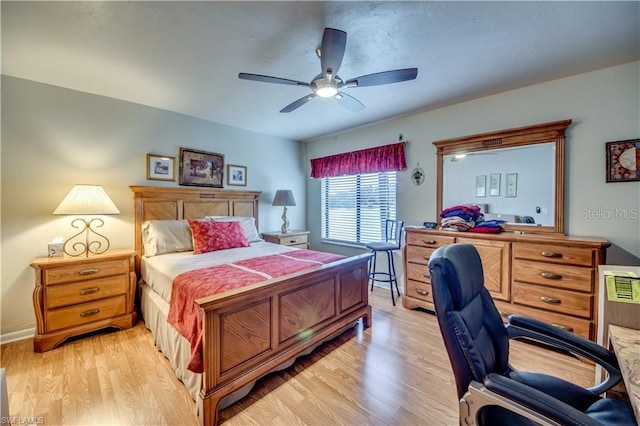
(158, 272)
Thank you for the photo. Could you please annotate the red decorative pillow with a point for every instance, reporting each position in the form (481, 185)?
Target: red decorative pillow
(210, 236)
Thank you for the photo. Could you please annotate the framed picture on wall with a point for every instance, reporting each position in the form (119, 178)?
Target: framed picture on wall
(623, 161)
(494, 185)
(236, 175)
(201, 168)
(161, 167)
(511, 187)
(481, 186)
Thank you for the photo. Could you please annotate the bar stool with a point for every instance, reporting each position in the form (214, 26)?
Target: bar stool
(393, 233)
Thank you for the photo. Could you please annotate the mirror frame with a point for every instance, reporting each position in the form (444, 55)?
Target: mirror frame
(509, 138)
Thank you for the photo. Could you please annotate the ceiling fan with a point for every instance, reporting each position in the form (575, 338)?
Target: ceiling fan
(328, 84)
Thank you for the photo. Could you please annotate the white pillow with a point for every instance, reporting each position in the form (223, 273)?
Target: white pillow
(166, 236)
(248, 224)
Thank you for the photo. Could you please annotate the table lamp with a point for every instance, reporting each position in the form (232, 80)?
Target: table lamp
(284, 197)
(86, 200)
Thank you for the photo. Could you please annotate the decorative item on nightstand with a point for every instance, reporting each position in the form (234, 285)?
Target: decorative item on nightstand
(86, 200)
(284, 197)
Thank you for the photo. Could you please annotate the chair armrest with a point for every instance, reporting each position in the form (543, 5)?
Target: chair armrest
(537, 401)
(520, 326)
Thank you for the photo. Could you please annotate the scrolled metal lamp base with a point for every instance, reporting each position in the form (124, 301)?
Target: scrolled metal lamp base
(86, 247)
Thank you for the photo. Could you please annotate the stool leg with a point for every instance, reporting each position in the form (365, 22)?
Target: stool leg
(391, 277)
(393, 269)
(372, 268)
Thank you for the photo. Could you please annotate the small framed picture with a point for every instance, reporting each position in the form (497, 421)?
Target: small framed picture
(481, 186)
(201, 168)
(161, 167)
(511, 187)
(494, 185)
(623, 161)
(236, 175)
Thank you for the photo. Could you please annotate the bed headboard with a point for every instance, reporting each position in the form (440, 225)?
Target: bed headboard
(171, 203)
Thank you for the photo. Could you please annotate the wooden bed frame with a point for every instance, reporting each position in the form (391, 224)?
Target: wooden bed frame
(251, 331)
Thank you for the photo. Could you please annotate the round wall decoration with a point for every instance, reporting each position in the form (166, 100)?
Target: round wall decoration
(417, 175)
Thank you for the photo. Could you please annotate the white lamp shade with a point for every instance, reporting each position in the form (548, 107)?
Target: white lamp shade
(284, 197)
(87, 200)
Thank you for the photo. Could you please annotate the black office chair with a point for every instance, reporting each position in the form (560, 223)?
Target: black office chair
(490, 391)
(391, 243)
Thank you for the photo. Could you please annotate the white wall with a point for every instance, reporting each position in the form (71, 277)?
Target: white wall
(53, 138)
(604, 106)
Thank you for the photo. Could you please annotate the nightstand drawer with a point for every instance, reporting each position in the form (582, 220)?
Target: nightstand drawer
(294, 240)
(85, 313)
(86, 271)
(86, 291)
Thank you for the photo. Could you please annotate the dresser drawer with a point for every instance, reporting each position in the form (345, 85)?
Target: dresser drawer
(553, 275)
(419, 290)
(575, 325)
(425, 240)
(419, 255)
(70, 294)
(552, 299)
(86, 271)
(58, 319)
(418, 272)
(555, 254)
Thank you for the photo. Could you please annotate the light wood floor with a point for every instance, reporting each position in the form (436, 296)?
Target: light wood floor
(395, 373)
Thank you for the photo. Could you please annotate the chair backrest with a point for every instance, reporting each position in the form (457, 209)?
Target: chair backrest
(473, 332)
(393, 231)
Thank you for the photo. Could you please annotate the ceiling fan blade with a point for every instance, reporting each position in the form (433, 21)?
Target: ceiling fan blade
(385, 77)
(269, 79)
(297, 104)
(349, 102)
(332, 50)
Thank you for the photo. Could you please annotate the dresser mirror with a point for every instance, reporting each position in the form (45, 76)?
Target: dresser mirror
(516, 175)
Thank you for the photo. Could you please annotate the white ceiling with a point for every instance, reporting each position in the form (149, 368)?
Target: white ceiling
(185, 56)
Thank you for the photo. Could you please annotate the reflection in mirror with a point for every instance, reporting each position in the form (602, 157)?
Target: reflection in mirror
(506, 172)
(528, 197)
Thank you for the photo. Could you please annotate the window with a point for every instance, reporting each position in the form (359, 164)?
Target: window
(354, 208)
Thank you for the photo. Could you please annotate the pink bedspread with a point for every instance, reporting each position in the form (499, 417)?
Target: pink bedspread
(184, 314)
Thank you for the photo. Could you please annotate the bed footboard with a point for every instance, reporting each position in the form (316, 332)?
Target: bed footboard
(250, 332)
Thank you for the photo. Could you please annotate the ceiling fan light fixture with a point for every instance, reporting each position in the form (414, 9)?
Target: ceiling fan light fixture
(326, 91)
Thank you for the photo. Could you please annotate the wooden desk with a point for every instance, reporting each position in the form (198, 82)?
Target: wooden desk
(626, 345)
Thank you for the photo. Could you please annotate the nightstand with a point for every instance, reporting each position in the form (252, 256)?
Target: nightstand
(298, 239)
(75, 295)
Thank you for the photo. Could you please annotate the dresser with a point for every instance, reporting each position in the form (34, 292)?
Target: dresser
(546, 276)
(299, 239)
(76, 295)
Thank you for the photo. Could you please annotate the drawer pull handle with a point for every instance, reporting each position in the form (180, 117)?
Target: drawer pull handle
(427, 275)
(430, 242)
(551, 300)
(293, 241)
(550, 276)
(563, 327)
(422, 292)
(551, 254)
(89, 313)
(90, 290)
(90, 271)
(504, 314)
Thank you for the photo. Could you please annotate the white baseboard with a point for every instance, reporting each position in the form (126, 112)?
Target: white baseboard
(17, 335)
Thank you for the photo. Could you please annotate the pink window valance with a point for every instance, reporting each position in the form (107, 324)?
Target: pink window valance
(387, 158)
